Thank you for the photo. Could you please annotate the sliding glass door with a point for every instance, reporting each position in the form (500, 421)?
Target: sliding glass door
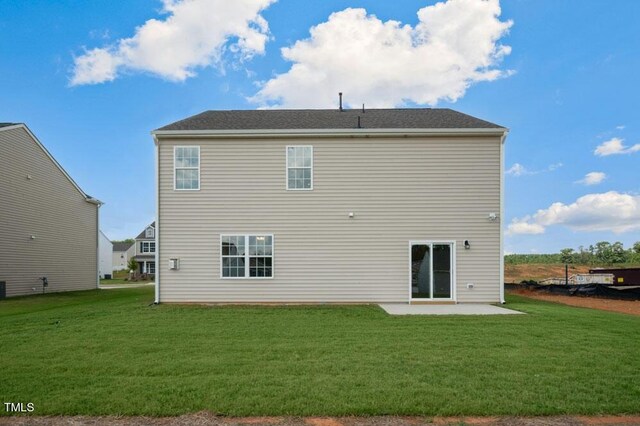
(431, 270)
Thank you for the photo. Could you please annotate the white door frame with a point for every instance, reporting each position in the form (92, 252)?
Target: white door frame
(453, 297)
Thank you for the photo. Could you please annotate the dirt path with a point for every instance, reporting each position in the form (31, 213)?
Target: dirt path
(625, 306)
(206, 419)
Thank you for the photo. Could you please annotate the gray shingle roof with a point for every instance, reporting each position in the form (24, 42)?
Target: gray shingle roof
(402, 118)
(141, 235)
(121, 246)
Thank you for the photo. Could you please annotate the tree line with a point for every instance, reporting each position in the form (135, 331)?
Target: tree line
(602, 253)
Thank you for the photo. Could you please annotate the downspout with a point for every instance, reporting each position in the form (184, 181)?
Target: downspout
(98, 204)
(157, 230)
(502, 140)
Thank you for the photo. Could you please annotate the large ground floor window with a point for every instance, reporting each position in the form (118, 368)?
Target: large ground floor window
(246, 256)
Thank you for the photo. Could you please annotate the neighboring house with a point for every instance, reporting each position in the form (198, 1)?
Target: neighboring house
(122, 252)
(105, 254)
(145, 250)
(385, 205)
(48, 225)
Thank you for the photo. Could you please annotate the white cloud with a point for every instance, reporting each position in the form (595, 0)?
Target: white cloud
(519, 170)
(383, 64)
(522, 226)
(614, 146)
(195, 34)
(609, 211)
(592, 178)
(620, 127)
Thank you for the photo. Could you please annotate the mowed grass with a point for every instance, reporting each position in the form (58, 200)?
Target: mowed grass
(109, 352)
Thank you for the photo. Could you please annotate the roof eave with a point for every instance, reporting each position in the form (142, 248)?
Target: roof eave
(257, 133)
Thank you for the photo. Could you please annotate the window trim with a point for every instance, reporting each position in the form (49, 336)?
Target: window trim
(146, 232)
(142, 243)
(175, 148)
(246, 236)
(286, 167)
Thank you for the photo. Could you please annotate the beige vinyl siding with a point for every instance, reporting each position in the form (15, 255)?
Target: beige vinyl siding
(438, 188)
(49, 207)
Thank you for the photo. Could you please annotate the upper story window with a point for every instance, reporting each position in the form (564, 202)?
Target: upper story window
(147, 246)
(300, 167)
(186, 163)
(149, 233)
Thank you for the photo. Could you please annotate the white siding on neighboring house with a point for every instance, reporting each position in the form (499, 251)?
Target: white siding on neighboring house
(48, 226)
(121, 258)
(105, 253)
(400, 189)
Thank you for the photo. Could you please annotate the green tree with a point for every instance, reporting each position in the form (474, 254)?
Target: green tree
(602, 251)
(636, 247)
(132, 265)
(128, 240)
(567, 255)
(618, 255)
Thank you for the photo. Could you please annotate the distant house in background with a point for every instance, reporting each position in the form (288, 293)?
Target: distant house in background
(48, 225)
(145, 250)
(105, 255)
(122, 252)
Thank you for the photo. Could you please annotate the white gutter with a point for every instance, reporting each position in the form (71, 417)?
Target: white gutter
(364, 133)
(97, 244)
(157, 227)
(502, 141)
(94, 201)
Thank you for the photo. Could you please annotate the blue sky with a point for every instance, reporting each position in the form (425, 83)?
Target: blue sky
(92, 79)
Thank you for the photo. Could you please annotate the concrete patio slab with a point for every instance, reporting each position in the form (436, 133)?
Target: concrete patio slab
(459, 309)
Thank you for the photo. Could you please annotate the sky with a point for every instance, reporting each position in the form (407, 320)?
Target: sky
(93, 79)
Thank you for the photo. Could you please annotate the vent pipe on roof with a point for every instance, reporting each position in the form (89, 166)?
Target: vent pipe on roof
(340, 96)
(363, 108)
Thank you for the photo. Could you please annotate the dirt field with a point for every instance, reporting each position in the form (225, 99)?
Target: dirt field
(625, 306)
(206, 419)
(539, 271)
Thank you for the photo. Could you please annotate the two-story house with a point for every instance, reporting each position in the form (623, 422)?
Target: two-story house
(48, 224)
(145, 250)
(338, 206)
(122, 252)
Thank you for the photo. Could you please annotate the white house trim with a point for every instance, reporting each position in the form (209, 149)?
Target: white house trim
(501, 218)
(454, 283)
(174, 168)
(286, 167)
(157, 227)
(365, 132)
(246, 236)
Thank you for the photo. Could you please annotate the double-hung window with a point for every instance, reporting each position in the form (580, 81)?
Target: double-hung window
(246, 256)
(147, 246)
(300, 167)
(186, 164)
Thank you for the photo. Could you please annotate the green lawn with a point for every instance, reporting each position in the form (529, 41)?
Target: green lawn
(122, 281)
(109, 352)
